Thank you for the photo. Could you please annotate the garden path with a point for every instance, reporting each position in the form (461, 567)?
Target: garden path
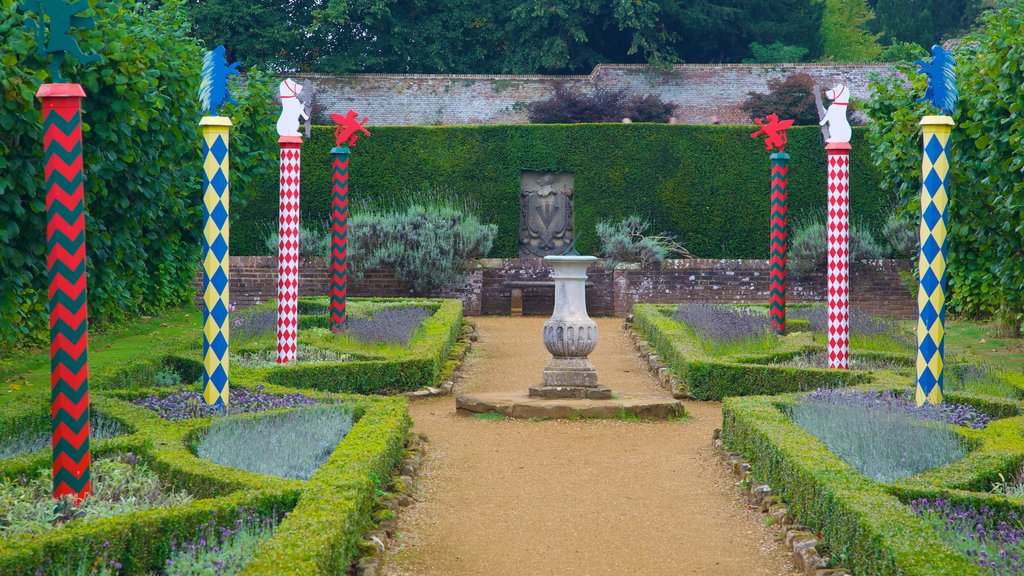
(563, 497)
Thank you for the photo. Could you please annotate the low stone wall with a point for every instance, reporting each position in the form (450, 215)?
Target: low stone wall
(875, 286)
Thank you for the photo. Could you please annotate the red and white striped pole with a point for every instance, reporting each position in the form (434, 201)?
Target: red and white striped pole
(838, 228)
(288, 250)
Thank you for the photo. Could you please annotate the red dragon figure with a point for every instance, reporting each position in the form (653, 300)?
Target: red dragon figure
(349, 128)
(774, 132)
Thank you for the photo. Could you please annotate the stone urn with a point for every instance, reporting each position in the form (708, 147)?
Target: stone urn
(570, 335)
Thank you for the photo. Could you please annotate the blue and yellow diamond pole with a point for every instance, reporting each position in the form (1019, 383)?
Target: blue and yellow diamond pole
(931, 262)
(216, 228)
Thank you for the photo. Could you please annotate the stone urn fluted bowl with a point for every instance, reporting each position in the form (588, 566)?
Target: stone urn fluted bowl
(570, 335)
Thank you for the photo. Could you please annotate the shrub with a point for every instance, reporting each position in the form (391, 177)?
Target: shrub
(394, 325)
(570, 106)
(808, 245)
(140, 157)
(427, 246)
(222, 551)
(252, 323)
(993, 539)
(185, 404)
(288, 445)
(314, 241)
(625, 241)
(101, 427)
(303, 354)
(792, 98)
(871, 433)
(120, 484)
(691, 181)
(775, 53)
(861, 324)
(721, 324)
(902, 237)
(976, 378)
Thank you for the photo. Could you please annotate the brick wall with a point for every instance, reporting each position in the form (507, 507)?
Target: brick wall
(875, 286)
(700, 91)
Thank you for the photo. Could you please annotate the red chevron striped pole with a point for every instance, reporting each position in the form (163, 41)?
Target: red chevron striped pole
(288, 250)
(838, 228)
(65, 242)
(339, 236)
(779, 242)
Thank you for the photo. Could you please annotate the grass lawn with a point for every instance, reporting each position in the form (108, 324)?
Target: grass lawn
(27, 373)
(978, 342)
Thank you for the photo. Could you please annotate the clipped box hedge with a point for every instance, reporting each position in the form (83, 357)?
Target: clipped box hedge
(871, 523)
(707, 185)
(710, 378)
(327, 515)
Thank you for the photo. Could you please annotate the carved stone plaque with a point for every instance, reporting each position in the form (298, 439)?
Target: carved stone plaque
(545, 213)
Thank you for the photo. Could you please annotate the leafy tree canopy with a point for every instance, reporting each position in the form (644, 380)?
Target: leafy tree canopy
(500, 36)
(986, 211)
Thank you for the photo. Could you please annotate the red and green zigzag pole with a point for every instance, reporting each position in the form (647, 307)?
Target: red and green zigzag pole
(779, 242)
(339, 235)
(65, 242)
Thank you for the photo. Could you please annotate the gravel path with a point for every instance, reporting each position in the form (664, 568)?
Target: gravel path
(516, 497)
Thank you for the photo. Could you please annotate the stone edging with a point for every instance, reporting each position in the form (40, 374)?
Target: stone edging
(800, 540)
(386, 510)
(459, 352)
(667, 379)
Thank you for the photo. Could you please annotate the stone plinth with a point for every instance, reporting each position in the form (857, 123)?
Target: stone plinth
(570, 335)
(521, 405)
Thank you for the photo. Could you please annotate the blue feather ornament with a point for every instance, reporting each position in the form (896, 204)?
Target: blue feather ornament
(941, 71)
(213, 87)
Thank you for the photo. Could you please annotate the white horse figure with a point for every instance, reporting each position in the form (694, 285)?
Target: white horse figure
(292, 111)
(835, 116)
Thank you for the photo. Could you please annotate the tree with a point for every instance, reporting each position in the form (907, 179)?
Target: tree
(774, 53)
(843, 32)
(792, 98)
(925, 22)
(503, 36)
(986, 215)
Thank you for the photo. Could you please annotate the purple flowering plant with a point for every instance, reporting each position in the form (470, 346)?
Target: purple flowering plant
(723, 325)
(902, 404)
(994, 540)
(185, 404)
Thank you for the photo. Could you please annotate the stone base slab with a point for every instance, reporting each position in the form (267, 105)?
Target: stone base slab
(577, 392)
(521, 405)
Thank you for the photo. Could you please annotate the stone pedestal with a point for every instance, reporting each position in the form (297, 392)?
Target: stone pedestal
(570, 335)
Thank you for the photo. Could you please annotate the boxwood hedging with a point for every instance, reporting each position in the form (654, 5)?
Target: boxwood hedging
(327, 515)
(711, 378)
(707, 185)
(870, 523)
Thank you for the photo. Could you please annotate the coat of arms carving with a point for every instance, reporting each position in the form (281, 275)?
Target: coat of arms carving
(545, 213)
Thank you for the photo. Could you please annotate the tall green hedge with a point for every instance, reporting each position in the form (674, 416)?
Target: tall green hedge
(708, 185)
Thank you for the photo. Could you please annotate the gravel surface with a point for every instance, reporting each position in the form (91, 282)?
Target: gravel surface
(516, 497)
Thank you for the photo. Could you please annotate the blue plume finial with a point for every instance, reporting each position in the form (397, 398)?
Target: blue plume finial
(941, 92)
(213, 88)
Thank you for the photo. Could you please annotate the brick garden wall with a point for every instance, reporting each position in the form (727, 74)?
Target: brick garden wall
(701, 91)
(876, 286)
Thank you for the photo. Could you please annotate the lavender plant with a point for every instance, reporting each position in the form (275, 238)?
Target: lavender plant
(290, 445)
(304, 355)
(994, 540)
(185, 404)
(862, 324)
(977, 378)
(101, 427)
(819, 359)
(120, 483)
(723, 325)
(871, 431)
(906, 404)
(252, 323)
(221, 551)
(393, 325)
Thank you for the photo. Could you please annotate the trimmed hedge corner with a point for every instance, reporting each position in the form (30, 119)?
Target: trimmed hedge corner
(870, 523)
(710, 378)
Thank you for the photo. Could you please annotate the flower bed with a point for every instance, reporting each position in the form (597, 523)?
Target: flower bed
(156, 400)
(872, 525)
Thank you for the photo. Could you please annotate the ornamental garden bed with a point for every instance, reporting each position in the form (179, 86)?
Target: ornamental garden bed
(719, 351)
(891, 488)
(285, 483)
